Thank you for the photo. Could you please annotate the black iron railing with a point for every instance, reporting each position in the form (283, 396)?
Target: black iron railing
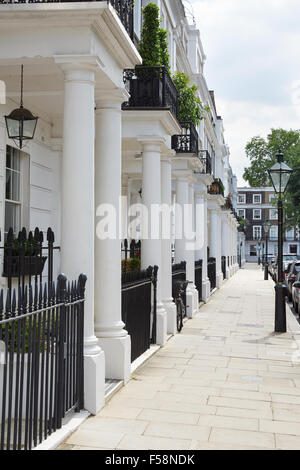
(138, 310)
(228, 204)
(187, 141)
(179, 274)
(124, 9)
(211, 272)
(41, 360)
(223, 262)
(205, 158)
(216, 187)
(150, 88)
(198, 278)
(26, 256)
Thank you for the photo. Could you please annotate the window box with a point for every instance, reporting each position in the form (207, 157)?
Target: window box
(15, 266)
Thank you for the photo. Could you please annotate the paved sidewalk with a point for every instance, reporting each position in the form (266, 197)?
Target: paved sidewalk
(225, 382)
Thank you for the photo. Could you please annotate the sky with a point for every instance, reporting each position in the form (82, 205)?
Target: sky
(253, 64)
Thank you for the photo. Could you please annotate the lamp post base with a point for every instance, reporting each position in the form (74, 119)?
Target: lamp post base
(280, 311)
(266, 272)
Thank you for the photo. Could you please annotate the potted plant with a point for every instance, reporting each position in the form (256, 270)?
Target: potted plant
(22, 258)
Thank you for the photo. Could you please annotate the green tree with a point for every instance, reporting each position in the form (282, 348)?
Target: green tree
(262, 155)
(163, 48)
(150, 37)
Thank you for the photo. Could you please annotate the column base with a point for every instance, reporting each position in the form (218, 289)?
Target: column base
(219, 280)
(192, 300)
(94, 382)
(205, 290)
(117, 357)
(161, 325)
(170, 308)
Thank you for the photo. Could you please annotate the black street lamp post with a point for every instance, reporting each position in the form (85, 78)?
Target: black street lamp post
(267, 226)
(280, 174)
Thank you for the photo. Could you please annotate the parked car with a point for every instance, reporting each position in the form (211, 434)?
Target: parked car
(286, 259)
(296, 293)
(290, 277)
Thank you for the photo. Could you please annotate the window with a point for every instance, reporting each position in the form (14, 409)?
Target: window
(257, 232)
(273, 214)
(273, 234)
(271, 197)
(257, 214)
(252, 250)
(290, 234)
(256, 199)
(242, 213)
(137, 18)
(293, 249)
(16, 190)
(242, 199)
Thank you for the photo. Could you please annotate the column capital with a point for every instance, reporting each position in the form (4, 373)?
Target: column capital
(168, 155)
(78, 67)
(110, 99)
(149, 142)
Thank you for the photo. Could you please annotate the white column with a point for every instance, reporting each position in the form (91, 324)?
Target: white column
(192, 248)
(109, 325)
(166, 261)
(77, 237)
(183, 251)
(201, 234)
(215, 242)
(152, 246)
(125, 206)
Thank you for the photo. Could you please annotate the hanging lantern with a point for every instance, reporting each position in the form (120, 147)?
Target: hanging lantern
(21, 123)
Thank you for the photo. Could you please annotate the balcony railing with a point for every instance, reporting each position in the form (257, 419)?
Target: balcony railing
(228, 204)
(150, 88)
(187, 141)
(124, 8)
(216, 188)
(205, 158)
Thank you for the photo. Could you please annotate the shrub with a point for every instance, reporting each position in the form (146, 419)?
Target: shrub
(150, 38)
(190, 107)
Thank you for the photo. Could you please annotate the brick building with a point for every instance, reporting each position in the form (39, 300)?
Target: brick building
(257, 205)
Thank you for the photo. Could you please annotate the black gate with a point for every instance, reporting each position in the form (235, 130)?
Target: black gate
(41, 360)
(198, 278)
(211, 272)
(224, 266)
(139, 309)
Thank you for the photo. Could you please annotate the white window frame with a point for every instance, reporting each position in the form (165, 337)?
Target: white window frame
(274, 228)
(256, 218)
(243, 213)
(253, 198)
(243, 196)
(273, 215)
(24, 190)
(290, 234)
(260, 232)
(271, 197)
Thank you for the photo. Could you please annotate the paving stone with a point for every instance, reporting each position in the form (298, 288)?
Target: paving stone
(240, 437)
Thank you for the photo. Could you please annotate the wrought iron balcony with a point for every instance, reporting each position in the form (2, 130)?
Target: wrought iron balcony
(150, 88)
(205, 158)
(228, 204)
(187, 141)
(124, 8)
(216, 188)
